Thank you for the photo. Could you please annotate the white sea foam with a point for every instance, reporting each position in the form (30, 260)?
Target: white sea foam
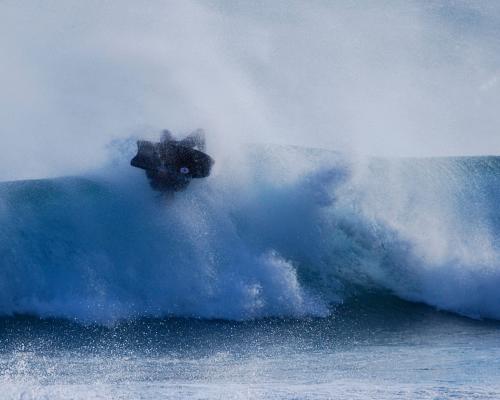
(274, 242)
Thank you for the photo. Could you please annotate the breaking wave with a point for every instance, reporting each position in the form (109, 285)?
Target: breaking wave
(284, 231)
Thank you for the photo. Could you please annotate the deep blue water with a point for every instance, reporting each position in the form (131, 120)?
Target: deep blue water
(392, 350)
(304, 275)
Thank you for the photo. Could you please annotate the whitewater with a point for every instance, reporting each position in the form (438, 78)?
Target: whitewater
(299, 231)
(307, 274)
(346, 244)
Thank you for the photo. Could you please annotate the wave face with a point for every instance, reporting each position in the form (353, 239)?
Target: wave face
(285, 232)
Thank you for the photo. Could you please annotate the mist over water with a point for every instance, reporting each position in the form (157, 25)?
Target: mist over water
(291, 243)
(277, 230)
(384, 78)
(335, 251)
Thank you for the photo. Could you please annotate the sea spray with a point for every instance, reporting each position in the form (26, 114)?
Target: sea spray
(300, 231)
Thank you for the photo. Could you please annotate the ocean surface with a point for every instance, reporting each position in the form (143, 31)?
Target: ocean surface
(290, 273)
